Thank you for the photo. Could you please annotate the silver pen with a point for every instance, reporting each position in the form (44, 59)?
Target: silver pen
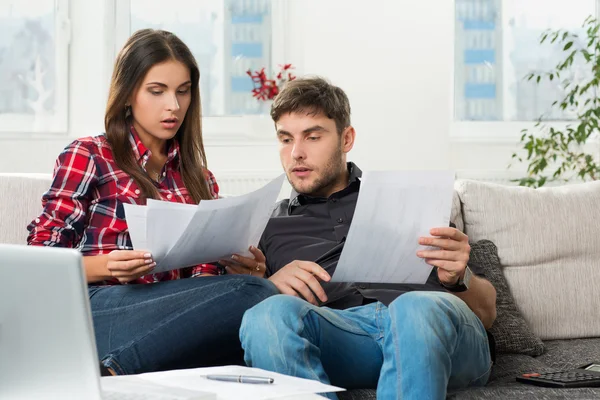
(241, 379)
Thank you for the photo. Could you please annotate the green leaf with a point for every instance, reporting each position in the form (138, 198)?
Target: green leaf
(541, 181)
(567, 46)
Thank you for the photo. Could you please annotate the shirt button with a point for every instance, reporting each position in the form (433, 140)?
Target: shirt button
(137, 191)
(340, 220)
(37, 220)
(334, 200)
(169, 196)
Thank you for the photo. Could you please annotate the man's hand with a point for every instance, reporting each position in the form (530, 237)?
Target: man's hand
(299, 278)
(452, 257)
(129, 265)
(246, 265)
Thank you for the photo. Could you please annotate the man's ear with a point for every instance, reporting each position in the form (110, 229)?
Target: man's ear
(348, 136)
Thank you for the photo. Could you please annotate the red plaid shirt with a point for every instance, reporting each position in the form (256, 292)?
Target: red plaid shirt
(83, 208)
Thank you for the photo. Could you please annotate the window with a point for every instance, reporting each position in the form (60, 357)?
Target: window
(34, 39)
(497, 45)
(227, 38)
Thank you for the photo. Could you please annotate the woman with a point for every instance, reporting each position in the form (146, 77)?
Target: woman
(152, 149)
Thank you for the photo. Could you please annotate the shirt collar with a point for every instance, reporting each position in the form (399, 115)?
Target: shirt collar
(297, 199)
(142, 153)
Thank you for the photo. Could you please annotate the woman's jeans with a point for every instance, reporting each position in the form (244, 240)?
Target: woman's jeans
(184, 323)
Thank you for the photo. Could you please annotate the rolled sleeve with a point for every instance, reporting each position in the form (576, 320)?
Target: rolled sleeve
(64, 216)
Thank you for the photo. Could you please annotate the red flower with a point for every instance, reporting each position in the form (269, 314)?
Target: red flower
(266, 89)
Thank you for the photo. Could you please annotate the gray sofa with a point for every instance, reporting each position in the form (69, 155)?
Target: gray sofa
(546, 270)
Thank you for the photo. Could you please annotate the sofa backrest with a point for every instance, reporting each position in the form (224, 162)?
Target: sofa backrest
(20, 203)
(548, 242)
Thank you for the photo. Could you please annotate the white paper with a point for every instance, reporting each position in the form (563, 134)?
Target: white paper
(193, 379)
(393, 210)
(181, 235)
(131, 384)
(220, 228)
(168, 217)
(136, 225)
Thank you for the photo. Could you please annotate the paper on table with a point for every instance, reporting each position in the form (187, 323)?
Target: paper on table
(393, 210)
(192, 379)
(220, 228)
(136, 225)
(132, 384)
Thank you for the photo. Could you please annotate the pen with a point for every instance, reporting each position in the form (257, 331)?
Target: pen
(241, 379)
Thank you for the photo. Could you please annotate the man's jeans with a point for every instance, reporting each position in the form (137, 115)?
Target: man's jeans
(182, 323)
(422, 345)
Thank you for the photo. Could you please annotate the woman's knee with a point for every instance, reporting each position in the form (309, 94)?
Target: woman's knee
(254, 288)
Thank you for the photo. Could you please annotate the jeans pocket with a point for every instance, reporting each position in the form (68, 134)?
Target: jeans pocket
(483, 379)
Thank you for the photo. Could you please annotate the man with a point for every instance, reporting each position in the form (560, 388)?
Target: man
(409, 341)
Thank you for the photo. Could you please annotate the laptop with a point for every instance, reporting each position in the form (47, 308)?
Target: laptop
(47, 342)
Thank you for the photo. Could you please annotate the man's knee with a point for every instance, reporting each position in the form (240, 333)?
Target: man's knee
(271, 314)
(422, 305)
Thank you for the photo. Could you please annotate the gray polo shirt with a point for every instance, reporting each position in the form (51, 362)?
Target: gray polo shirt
(314, 229)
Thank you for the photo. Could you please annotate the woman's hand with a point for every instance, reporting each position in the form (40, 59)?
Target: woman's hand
(247, 265)
(129, 265)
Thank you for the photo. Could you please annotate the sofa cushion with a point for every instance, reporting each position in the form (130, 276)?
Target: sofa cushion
(20, 203)
(560, 354)
(510, 331)
(548, 245)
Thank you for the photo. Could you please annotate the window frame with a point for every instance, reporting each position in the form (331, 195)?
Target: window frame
(493, 132)
(11, 124)
(226, 129)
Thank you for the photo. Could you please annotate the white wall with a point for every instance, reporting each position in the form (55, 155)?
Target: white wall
(393, 58)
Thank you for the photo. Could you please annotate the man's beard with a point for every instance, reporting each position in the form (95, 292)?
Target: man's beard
(330, 175)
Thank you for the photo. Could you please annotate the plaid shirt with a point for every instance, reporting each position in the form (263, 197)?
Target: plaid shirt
(83, 208)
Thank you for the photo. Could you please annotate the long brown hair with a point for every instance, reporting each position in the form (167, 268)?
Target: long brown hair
(144, 49)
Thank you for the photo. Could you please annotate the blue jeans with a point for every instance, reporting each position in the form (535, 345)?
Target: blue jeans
(420, 346)
(175, 324)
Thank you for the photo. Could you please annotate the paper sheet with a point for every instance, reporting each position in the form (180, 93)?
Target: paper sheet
(133, 385)
(180, 235)
(192, 379)
(136, 224)
(393, 210)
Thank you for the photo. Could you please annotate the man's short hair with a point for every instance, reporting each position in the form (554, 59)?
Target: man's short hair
(313, 96)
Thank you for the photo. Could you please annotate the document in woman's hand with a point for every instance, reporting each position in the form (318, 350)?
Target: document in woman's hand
(182, 235)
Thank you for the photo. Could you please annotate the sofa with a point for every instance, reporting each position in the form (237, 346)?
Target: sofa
(540, 248)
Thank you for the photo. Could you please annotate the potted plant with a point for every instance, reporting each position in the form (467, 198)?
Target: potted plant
(559, 154)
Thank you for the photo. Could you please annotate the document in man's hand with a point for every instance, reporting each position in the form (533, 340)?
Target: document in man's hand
(182, 235)
(393, 210)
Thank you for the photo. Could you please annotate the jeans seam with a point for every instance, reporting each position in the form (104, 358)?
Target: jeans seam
(482, 375)
(378, 317)
(490, 363)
